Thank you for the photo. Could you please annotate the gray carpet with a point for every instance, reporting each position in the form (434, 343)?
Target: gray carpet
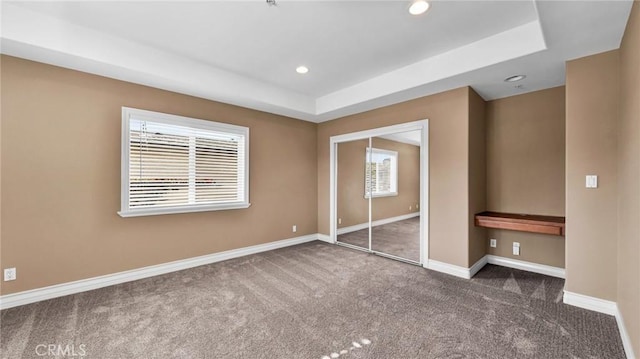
(316, 300)
(401, 238)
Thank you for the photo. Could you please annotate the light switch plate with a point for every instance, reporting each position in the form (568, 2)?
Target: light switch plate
(591, 181)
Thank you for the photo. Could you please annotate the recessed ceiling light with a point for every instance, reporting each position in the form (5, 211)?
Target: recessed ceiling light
(302, 69)
(515, 78)
(418, 7)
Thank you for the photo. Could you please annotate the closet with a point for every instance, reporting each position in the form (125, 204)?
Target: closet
(379, 185)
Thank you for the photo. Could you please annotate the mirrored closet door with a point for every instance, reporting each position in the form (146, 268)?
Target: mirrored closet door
(352, 203)
(378, 184)
(395, 191)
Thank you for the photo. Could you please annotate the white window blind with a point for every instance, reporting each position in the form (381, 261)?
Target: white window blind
(174, 164)
(381, 173)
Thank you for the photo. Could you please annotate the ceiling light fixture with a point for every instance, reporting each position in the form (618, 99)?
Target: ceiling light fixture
(302, 69)
(418, 7)
(515, 78)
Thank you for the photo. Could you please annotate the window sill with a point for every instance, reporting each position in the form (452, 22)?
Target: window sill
(390, 194)
(182, 209)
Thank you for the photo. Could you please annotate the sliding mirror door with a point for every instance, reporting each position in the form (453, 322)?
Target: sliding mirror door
(352, 205)
(379, 180)
(393, 182)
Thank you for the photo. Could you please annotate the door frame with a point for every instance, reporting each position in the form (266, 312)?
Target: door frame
(422, 125)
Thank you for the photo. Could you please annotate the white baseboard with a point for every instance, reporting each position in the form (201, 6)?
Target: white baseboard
(462, 272)
(447, 268)
(361, 226)
(526, 266)
(605, 307)
(591, 303)
(477, 266)
(624, 335)
(59, 290)
(468, 273)
(324, 238)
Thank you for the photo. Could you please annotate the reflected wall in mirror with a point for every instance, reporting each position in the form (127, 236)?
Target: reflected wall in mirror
(352, 205)
(395, 204)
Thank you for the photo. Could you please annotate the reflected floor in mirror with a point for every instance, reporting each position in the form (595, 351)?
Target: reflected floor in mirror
(401, 238)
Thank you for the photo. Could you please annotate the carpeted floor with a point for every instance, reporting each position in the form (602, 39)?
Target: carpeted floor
(401, 238)
(316, 300)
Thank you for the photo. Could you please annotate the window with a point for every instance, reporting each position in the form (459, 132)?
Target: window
(174, 164)
(381, 173)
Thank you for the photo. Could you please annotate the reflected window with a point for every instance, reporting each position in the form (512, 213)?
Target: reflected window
(381, 173)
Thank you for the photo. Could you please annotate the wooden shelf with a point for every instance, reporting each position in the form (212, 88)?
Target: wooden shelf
(521, 222)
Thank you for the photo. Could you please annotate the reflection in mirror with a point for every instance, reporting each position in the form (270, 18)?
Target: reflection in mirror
(381, 173)
(395, 188)
(352, 219)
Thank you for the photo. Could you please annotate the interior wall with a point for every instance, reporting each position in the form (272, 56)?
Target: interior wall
(526, 170)
(477, 175)
(592, 104)
(628, 180)
(61, 179)
(353, 207)
(448, 165)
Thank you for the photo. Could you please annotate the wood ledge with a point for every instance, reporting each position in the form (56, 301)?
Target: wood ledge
(522, 222)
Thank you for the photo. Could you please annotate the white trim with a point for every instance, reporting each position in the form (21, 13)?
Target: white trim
(475, 268)
(468, 273)
(59, 290)
(624, 335)
(526, 266)
(590, 303)
(447, 268)
(379, 222)
(424, 192)
(181, 209)
(324, 238)
(380, 131)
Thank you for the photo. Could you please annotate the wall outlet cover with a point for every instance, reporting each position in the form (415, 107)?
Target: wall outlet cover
(493, 243)
(9, 274)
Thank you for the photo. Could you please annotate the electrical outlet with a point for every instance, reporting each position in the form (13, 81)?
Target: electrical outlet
(295, 228)
(9, 274)
(493, 243)
(410, 207)
(417, 206)
(339, 220)
(516, 248)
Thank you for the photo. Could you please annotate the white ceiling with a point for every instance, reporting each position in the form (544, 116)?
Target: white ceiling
(361, 54)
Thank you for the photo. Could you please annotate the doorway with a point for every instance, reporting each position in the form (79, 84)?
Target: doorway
(379, 191)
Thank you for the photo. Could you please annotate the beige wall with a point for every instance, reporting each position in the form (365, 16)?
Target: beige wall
(448, 115)
(353, 207)
(592, 100)
(629, 180)
(61, 179)
(526, 169)
(477, 175)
